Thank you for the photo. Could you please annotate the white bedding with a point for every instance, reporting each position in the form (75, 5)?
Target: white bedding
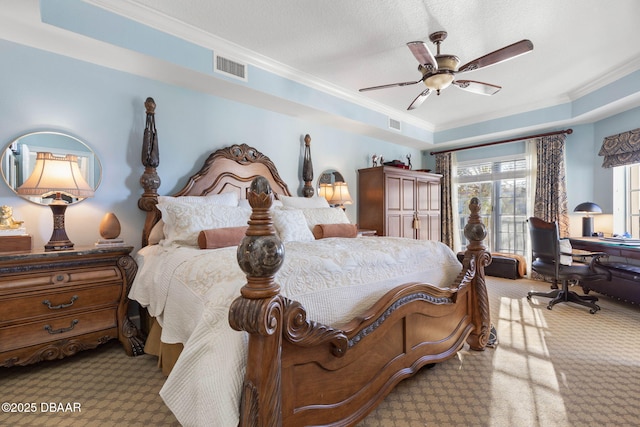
(189, 291)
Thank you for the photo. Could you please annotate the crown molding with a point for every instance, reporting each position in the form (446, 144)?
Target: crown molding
(159, 21)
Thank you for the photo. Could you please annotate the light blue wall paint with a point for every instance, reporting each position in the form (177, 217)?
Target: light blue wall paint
(105, 108)
(83, 18)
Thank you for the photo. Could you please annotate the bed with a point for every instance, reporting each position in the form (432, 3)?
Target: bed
(282, 329)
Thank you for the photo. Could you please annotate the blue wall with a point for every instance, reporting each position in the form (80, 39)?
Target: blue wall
(105, 108)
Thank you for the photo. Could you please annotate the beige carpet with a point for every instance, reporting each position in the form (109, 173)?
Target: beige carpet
(563, 367)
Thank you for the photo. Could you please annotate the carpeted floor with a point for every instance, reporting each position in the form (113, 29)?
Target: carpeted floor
(563, 367)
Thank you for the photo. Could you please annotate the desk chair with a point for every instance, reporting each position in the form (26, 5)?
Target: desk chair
(545, 245)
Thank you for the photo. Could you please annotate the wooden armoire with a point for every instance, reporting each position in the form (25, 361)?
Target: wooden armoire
(399, 202)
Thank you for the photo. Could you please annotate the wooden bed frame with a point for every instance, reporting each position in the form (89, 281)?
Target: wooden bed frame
(300, 372)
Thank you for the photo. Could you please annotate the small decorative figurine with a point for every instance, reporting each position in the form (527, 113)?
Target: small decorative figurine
(381, 161)
(374, 159)
(409, 161)
(7, 222)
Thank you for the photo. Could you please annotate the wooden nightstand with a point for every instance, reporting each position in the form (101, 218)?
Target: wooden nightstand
(54, 304)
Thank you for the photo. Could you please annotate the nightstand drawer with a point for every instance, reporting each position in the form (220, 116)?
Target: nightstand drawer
(36, 280)
(13, 337)
(49, 303)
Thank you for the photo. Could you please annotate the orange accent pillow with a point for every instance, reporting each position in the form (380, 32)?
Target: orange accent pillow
(221, 237)
(321, 231)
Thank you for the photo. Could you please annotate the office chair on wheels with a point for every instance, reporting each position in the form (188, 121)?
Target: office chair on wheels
(545, 245)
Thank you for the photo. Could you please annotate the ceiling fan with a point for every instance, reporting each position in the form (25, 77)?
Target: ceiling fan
(438, 72)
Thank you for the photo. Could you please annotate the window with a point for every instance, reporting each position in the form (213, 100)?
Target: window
(626, 200)
(502, 186)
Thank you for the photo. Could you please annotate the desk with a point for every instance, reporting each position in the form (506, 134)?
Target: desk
(615, 249)
(623, 263)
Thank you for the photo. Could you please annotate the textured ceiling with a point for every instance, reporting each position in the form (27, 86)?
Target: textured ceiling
(579, 46)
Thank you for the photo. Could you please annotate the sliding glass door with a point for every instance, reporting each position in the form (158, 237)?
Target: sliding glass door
(502, 186)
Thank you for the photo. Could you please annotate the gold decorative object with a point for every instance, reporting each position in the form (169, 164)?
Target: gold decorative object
(7, 222)
(110, 226)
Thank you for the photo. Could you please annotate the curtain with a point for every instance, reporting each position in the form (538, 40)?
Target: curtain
(621, 149)
(444, 164)
(551, 189)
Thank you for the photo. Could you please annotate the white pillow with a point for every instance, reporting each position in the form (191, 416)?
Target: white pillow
(315, 216)
(565, 248)
(184, 221)
(222, 199)
(245, 203)
(304, 202)
(157, 233)
(291, 226)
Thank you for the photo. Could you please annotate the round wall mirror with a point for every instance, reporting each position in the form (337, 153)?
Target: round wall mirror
(20, 156)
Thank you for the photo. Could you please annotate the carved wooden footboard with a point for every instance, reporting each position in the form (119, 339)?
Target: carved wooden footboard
(302, 373)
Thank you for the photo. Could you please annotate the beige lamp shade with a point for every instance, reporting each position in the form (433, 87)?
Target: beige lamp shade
(341, 194)
(326, 191)
(56, 174)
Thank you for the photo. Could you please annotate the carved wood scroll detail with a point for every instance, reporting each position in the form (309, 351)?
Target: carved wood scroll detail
(259, 311)
(420, 296)
(476, 258)
(150, 181)
(305, 333)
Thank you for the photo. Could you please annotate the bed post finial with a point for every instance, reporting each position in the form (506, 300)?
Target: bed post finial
(476, 258)
(150, 181)
(259, 311)
(307, 168)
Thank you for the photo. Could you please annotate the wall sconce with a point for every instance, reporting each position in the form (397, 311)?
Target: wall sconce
(60, 177)
(341, 195)
(587, 221)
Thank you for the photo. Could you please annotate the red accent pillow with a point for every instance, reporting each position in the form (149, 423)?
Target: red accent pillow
(221, 237)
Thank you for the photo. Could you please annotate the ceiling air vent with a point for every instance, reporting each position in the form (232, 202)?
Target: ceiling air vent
(229, 67)
(394, 124)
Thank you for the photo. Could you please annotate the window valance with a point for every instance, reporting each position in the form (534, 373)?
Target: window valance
(621, 149)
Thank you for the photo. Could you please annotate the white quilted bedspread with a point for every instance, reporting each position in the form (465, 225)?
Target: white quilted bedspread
(190, 290)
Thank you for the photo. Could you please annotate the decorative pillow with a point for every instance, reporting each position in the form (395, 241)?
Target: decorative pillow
(221, 237)
(304, 202)
(245, 204)
(222, 199)
(322, 231)
(156, 234)
(565, 248)
(315, 216)
(291, 225)
(184, 221)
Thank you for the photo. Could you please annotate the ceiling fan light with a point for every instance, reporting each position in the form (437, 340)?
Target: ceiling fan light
(439, 81)
(448, 62)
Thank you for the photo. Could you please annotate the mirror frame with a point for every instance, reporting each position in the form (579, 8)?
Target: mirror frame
(10, 166)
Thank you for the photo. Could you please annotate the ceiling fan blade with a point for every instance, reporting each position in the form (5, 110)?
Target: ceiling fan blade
(389, 85)
(422, 53)
(477, 87)
(500, 55)
(419, 99)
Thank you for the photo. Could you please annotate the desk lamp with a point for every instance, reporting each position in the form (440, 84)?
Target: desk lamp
(59, 176)
(587, 221)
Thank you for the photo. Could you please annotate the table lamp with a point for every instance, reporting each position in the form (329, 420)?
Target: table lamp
(341, 195)
(587, 221)
(59, 176)
(326, 191)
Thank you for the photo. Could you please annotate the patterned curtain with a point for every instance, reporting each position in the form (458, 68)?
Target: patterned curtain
(551, 189)
(621, 149)
(444, 167)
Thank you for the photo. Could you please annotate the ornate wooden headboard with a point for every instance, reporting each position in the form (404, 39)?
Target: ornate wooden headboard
(227, 169)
